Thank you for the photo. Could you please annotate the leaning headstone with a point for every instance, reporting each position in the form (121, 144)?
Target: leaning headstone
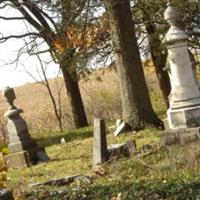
(100, 152)
(120, 129)
(23, 149)
(118, 122)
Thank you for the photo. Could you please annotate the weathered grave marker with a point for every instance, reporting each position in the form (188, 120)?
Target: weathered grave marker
(23, 149)
(121, 128)
(100, 152)
(184, 111)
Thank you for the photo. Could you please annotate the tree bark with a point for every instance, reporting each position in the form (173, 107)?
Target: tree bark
(51, 30)
(74, 96)
(136, 105)
(159, 59)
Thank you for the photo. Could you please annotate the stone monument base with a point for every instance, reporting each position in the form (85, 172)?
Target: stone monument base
(24, 159)
(184, 117)
(22, 145)
(18, 160)
(180, 136)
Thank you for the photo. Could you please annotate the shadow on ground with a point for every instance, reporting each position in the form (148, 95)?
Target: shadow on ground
(173, 190)
(54, 138)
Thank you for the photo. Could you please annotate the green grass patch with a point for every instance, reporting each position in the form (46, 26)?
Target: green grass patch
(171, 173)
(164, 173)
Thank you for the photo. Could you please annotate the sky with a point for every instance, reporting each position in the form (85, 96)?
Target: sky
(10, 75)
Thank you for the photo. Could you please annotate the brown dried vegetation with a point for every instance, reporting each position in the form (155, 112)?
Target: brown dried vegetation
(100, 92)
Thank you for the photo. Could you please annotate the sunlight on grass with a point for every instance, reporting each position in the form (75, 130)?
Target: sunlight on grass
(163, 172)
(158, 171)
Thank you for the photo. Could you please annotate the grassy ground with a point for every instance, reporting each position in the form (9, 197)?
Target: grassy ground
(153, 172)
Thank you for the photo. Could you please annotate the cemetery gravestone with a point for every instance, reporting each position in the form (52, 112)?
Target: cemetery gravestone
(184, 111)
(23, 149)
(100, 152)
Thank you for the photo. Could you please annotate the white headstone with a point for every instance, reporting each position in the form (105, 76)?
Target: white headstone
(184, 101)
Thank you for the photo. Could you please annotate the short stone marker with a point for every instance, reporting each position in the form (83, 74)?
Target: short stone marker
(100, 152)
(23, 149)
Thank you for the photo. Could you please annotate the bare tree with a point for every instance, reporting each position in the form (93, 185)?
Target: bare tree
(56, 104)
(49, 23)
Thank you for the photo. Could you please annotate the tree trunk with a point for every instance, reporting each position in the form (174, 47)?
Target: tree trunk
(159, 59)
(75, 100)
(136, 105)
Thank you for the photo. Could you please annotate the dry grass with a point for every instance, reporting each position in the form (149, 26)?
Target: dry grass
(100, 93)
(152, 173)
(165, 173)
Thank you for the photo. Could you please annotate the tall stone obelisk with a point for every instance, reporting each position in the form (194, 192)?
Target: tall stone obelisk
(184, 111)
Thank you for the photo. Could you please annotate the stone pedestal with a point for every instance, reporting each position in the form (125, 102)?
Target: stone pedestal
(19, 138)
(184, 117)
(23, 149)
(180, 136)
(185, 95)
(184, 111)
(18, 160)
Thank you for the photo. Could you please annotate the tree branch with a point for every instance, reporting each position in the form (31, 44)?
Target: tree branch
(5, 38)
(36, 12)
(5, 5)
(49, 18)
(12, 18)
(43, 28)
(28, 17)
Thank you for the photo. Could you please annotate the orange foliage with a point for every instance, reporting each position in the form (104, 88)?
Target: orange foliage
(82, 38)
(59, 45)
